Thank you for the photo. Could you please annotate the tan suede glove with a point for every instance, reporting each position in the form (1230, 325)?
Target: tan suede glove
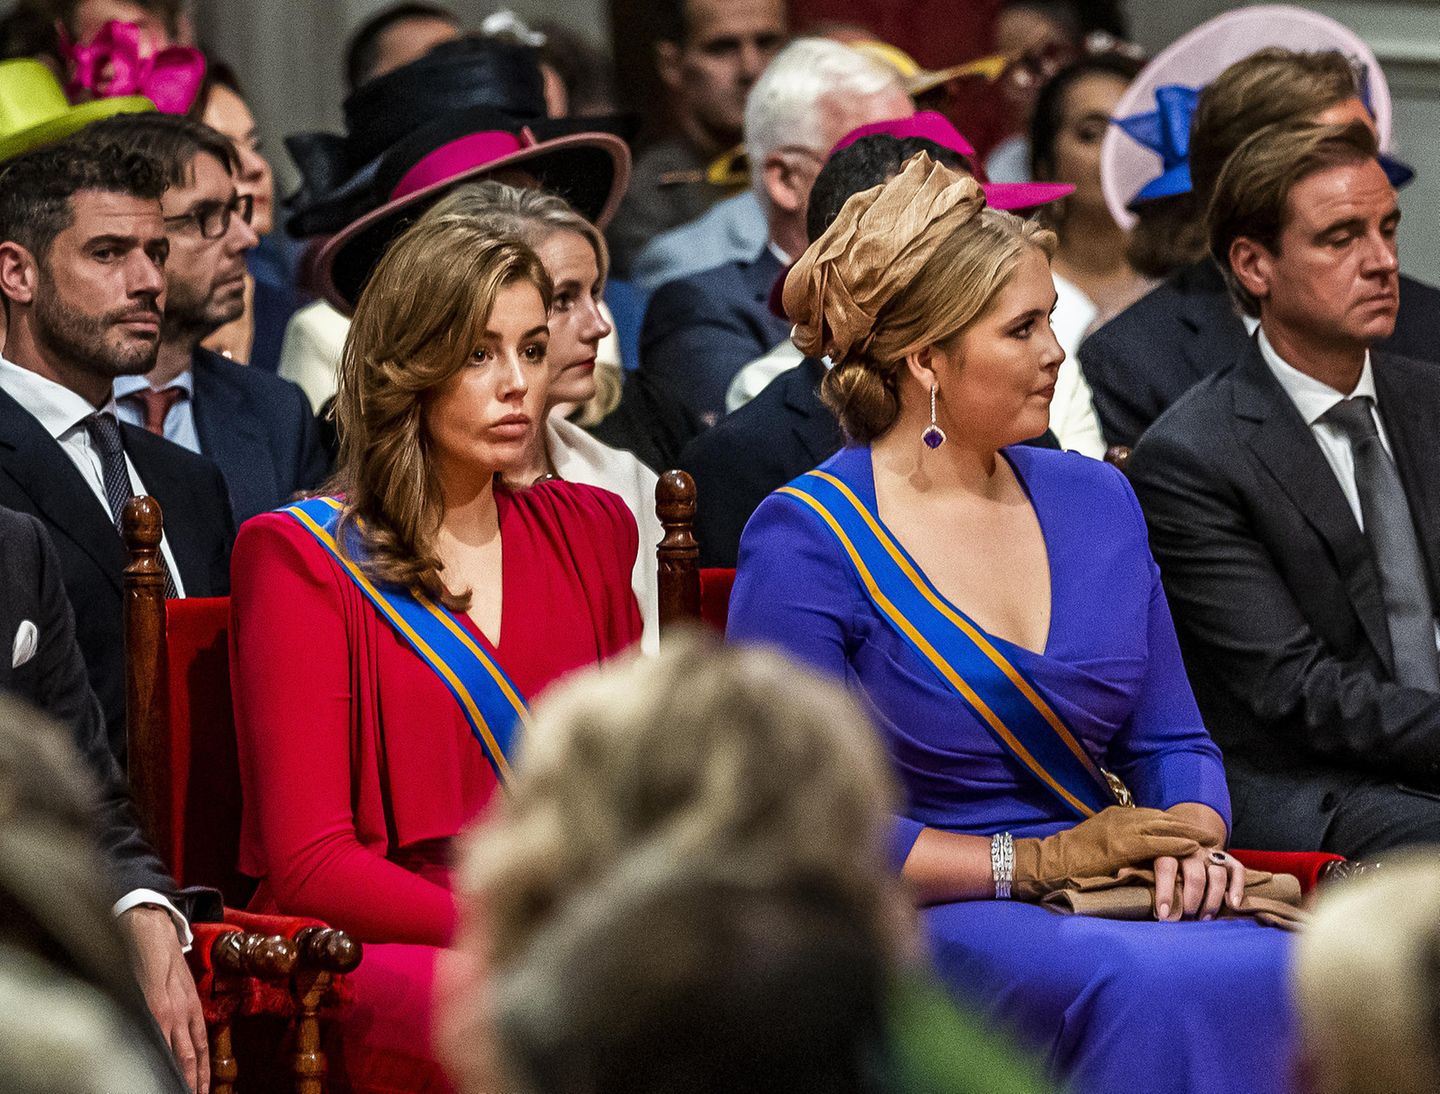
(1099, 846)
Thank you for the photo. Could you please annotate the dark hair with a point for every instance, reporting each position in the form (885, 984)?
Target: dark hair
(364, 48)
(64, 10)
(710, 969)
(1049, 117)
(36, 188)
(1252, 194)
(1271, 86)
(217, 74)
(171, 140)
(670, 20)
(1081, 17)
(587, 71)
(1169, 233)
(868, 162)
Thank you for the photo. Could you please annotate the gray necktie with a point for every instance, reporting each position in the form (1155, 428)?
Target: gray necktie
(1409, 611)
(105, 436)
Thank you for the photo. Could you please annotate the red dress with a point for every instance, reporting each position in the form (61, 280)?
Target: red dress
(357, 765)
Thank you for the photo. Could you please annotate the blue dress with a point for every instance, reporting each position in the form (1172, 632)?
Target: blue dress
(1199, 1008)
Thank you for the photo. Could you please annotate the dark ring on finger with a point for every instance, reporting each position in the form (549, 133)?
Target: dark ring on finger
(1219, 858)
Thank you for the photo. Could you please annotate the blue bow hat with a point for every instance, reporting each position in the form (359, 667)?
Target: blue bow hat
(1166, 132)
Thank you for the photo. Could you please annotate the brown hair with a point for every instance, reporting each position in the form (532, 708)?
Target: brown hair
(1253, 192)
(970, 264)
(420, 317)
(532, 216)
(605, 779)
(1269, 87)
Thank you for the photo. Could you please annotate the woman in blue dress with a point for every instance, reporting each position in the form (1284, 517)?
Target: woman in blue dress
(999, 608)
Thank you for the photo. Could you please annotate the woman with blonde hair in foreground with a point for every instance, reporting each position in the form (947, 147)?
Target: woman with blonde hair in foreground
(1367, 977)
(703, 835)
(999, 608)
(385, 639)
(583, 389)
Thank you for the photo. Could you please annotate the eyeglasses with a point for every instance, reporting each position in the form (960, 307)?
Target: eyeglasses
(213, 217)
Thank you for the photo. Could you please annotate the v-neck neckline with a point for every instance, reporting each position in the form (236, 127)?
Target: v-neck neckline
(503, 501)
(1035, 508)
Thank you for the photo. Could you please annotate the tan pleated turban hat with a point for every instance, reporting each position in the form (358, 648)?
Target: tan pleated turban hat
(882, 238)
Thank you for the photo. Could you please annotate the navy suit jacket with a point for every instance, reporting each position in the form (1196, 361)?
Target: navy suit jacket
(701, 330)
(37, 477)
(1276, 595)
(54, 681)
(259, 430)
(1162, 345)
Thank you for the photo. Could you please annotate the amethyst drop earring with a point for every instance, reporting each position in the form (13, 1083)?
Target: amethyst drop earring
(933, 436)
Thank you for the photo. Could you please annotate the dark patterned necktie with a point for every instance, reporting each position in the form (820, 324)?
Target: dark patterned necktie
(1409, 611)
(105, 436)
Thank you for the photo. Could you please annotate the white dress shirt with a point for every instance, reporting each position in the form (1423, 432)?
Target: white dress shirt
(179, 419)
(1314, 399)
(579, 457)
(62, 413)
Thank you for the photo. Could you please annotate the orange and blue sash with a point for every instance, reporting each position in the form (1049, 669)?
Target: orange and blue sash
(492, 705)
(1008, 704)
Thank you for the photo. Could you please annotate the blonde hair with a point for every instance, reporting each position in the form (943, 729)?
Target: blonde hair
(420, 317)
(532, 216)
(1383, 932)
(732, 757)
(911, 263)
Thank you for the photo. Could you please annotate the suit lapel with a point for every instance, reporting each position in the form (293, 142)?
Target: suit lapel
(814, 426)
(1409, 410)
(231, 435)
(43, 471)
(1215, 334)
(1283, 442)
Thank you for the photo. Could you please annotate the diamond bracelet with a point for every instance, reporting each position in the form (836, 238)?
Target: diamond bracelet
(1002, 863)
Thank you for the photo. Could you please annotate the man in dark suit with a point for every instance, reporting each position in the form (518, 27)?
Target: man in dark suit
(700, 331)
(82, 249)
(45, 667)
(256, 427)
(786, 429)
(1187, 328)
(1293, 502)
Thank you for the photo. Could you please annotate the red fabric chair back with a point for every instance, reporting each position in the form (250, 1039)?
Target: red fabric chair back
(715, 586)
(204, 766)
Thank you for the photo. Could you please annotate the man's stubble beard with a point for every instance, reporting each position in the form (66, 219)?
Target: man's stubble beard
(80, 339)
(191, 322)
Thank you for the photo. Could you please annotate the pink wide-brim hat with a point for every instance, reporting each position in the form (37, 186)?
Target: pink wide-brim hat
(933, 126)
(1196, 59)
(600, 161)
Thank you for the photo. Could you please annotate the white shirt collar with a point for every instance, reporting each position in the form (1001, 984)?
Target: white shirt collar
(55, 406)
(775, 249)
(1310, 396)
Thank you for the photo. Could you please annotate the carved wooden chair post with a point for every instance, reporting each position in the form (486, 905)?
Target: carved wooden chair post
(300, 957)
(679, 551)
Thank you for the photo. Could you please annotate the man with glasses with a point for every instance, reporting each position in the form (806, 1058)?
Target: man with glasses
(82, 257)
(700, 331)
(256, 427)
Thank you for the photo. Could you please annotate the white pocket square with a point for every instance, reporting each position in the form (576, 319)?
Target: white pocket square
(27, 641)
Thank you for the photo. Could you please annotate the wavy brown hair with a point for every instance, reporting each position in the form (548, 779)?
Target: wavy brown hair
(421, 315)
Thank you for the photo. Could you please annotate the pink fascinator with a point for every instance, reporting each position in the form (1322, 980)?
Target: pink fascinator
(112, 65)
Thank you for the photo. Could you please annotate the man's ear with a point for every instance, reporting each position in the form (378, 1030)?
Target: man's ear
(668, 63)
(19, 273)
(782, 184)
(1253, 265)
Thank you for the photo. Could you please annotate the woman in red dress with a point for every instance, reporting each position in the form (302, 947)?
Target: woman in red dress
(364, 745)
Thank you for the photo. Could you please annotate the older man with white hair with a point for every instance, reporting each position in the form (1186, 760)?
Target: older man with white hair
(700, 330)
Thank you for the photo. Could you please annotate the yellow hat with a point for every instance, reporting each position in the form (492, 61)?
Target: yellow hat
(34, 111)
(918, 80)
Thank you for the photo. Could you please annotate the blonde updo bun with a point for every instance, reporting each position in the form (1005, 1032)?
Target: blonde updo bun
(908, 264)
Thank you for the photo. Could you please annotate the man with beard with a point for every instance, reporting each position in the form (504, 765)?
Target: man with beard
(256, 427)
(82, 255)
